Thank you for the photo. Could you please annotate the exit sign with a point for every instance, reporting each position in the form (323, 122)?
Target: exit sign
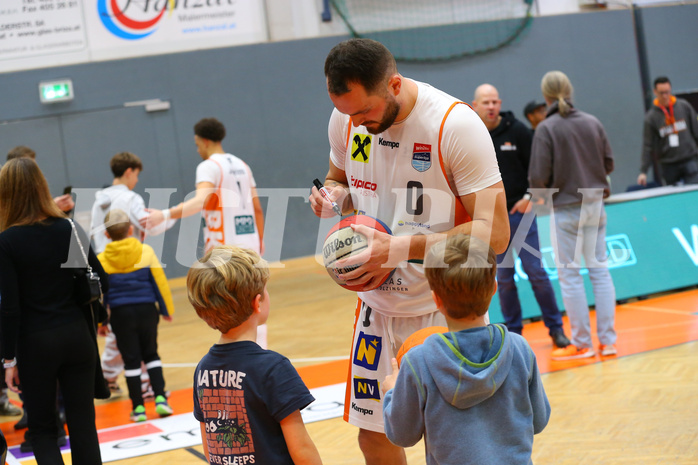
(56, 91)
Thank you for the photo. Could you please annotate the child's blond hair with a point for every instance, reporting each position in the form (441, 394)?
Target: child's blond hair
(117, 223)
(223, 284)
(461, 271)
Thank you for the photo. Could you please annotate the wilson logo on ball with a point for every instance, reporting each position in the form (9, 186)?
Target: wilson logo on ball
(343, 242)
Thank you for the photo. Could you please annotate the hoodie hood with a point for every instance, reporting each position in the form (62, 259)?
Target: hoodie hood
(508, 119)
(468, 373)
(122, 256)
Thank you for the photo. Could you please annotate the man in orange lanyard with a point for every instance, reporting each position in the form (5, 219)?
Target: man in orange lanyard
(670, 132)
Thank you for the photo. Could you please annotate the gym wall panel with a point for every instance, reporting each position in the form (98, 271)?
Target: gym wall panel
(272, 99)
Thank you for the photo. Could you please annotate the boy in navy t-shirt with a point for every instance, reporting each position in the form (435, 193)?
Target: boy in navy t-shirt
(247, 399)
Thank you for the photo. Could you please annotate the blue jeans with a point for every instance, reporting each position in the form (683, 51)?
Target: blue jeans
(527, 247)
(580, 231)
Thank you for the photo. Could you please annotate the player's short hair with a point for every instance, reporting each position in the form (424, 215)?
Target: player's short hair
(211, 129)
(117, 223)
(223, 284)
(21, 151)
(122, 161)
(661, 80)
(461, 271)
(363, 61)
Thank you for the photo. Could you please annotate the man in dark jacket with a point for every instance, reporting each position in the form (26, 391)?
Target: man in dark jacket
(671, 133)
(512, 142)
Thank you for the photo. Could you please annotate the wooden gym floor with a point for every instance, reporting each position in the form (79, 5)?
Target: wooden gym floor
(640, 407)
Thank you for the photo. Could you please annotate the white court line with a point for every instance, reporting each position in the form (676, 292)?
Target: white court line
(293, 360)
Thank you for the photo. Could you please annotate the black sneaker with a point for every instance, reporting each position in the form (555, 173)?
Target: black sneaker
(22, 423)
(559, 339)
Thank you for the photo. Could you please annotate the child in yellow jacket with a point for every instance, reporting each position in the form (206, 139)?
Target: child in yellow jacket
(138, 295)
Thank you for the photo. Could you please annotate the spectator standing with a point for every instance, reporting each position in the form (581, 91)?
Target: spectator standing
(671, 134)
(512, 143)
(534, 112)
(42, 324)
(126, 167)
(571, 158)
(138, 295)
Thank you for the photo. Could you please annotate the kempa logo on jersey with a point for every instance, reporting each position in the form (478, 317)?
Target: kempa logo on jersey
(361, 184)
(361, 147)
(421, 157)
(362, 411)
(387, 143)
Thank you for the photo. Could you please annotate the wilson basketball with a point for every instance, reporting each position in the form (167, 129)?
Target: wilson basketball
(417, 338)
(343, 242)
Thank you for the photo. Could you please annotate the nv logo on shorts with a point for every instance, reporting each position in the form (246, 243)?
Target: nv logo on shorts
(366, 389)
(361, 147)
(368, 351)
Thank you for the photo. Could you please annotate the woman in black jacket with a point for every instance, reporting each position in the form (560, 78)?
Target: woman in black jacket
(41, 322)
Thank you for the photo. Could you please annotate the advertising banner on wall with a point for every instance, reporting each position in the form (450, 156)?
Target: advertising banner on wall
(127, 28)
(39, 33)
(40, 27)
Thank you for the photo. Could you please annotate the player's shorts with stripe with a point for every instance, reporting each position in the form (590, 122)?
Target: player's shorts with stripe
(377, 338)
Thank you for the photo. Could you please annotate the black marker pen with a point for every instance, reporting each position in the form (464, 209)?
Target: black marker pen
(326, 195)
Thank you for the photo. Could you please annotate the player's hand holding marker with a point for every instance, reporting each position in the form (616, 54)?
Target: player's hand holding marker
(328, 203)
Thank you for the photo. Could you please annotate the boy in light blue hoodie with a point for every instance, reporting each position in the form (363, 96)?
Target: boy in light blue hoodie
(474, 393)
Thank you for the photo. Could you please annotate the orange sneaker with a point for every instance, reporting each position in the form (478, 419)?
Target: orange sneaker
(607, 350)
(572, 352)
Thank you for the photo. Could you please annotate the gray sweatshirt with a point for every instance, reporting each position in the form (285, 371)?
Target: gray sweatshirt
(656, 135)
(570, 153)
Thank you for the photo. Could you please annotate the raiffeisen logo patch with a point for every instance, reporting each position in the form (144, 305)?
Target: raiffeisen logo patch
(131, 19)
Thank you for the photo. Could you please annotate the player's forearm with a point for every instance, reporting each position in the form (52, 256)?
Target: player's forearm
(188, 208)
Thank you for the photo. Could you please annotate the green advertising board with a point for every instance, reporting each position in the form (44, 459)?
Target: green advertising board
(652, 244)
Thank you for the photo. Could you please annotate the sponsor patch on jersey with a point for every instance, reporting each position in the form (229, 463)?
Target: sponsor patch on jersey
(361, 184)
(366, 389)
(368, 351)
(421, 157)
(361, 147)
(244, 224)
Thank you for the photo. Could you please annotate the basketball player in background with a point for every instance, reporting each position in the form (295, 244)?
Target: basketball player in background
(226, 195)
(423, 163)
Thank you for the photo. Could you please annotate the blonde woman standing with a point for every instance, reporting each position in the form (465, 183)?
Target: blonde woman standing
(571, 158)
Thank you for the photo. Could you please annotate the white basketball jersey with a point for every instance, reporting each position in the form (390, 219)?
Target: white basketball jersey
(229, 213)
(410, 177)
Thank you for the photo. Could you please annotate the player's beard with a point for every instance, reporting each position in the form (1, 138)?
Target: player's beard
(389, 115)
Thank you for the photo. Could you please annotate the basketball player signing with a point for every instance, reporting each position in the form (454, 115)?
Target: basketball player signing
(343, 242)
